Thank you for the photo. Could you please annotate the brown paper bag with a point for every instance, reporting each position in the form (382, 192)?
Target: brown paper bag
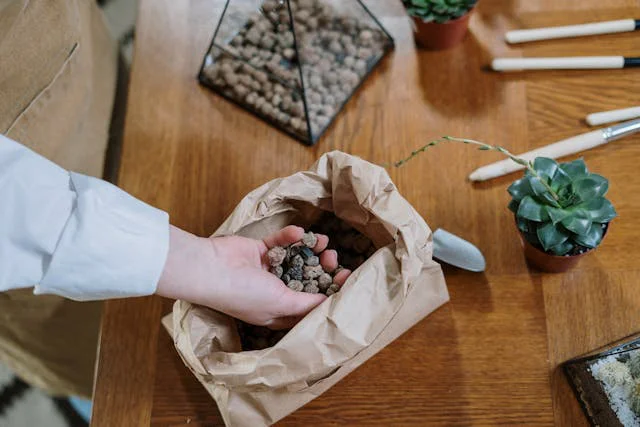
(395, 288)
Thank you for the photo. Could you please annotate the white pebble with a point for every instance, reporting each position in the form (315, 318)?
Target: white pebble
(329, 100)
(253, 36)
(349, 61)
(366, 35)
(315, 97)
(303, 15)
(315, 80)
(364, 53)
(324, 65)
(261, 76)
(295, 123)
(231, 78)
(312, 23)
(297, 109)
(269, 5)
(288, 53)
(331, 78)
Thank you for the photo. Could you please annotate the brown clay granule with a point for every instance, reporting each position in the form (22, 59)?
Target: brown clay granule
(295, 285)
(332, 289)
(311, 289)
(295, 272)
(276, 255)
(312, 261)
(324, 280)
(310, 240)
(297, 261)
(312, 272)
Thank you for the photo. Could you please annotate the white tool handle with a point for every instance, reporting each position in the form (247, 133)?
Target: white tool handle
(559, 63)
(608, 27)
(559, 149)
(602, 117)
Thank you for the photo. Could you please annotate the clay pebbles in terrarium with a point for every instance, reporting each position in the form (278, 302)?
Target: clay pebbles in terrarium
(294, 63)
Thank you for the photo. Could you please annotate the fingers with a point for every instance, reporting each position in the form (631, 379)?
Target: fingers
(323, 242)
(298, 304)
(293, 234)
(329, 260)
(285, 237)
(341, 277)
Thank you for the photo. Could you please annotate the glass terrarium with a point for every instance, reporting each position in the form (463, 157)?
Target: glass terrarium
(607, 383)
(293, 63)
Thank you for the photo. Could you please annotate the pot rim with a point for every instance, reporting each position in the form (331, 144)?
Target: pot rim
(526, 242)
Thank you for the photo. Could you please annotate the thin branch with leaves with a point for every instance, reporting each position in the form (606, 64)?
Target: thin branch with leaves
(484, 147)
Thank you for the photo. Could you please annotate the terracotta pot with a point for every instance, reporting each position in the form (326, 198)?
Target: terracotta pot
(551, 263)
(432, 35)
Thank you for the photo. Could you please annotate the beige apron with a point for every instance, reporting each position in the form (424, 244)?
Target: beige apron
(57, 80)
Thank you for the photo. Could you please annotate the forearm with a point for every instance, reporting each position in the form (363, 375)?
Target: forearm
(73, 235)
(189, 269)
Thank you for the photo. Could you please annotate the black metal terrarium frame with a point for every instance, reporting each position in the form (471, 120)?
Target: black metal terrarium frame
(595, 405)
(243, 79)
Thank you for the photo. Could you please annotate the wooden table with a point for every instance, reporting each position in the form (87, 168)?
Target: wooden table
(489, 356)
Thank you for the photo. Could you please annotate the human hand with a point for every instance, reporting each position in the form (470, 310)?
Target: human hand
(231, 274)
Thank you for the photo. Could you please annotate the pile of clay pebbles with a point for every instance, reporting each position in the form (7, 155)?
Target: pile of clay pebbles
(300, 269)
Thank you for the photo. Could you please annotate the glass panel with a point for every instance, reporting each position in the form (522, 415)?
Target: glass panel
(294, 63)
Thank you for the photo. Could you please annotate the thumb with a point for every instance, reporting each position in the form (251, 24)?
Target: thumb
(296, 304)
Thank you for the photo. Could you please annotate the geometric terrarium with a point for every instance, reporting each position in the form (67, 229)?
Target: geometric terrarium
(293, 63)
(607, 384)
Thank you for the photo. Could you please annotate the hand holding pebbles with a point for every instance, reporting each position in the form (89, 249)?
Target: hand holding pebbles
(299, 267)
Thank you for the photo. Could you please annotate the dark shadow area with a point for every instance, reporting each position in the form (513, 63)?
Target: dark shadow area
(445, 72)
(459, 281)
(116, 129)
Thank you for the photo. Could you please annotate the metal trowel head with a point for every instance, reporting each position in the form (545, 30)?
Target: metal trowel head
(456, 251)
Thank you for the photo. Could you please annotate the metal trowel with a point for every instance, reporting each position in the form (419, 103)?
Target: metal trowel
(454, 250)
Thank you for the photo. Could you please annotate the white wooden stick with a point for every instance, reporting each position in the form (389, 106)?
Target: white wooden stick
(562, 148)
(559, 63)
(603, 117)
(559, 149)
(607, 27)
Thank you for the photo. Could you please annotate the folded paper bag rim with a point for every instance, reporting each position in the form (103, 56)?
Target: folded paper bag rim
(391, 291)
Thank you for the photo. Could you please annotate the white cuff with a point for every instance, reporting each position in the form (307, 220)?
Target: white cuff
(112, 246)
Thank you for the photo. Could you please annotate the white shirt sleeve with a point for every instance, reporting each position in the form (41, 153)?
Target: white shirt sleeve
(73, 235)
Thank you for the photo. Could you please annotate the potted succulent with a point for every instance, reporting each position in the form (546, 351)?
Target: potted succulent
(561, 212)
(439, 24)
(559, 208)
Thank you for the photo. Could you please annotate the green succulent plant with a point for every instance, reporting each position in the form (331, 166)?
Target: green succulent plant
(566, 216)
(439, 11)
(559, 207)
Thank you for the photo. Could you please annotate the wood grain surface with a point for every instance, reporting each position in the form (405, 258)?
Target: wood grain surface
(488, 357)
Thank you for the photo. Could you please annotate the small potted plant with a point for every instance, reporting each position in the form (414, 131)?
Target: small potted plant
(439, 24)
(559, 208)
(561, 212)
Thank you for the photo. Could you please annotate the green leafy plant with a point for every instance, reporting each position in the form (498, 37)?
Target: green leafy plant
(559, 207)
(439, 11)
